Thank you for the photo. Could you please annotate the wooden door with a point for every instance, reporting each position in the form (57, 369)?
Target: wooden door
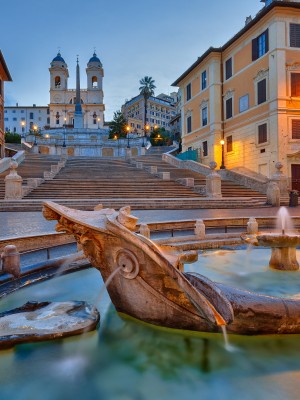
(296, 177)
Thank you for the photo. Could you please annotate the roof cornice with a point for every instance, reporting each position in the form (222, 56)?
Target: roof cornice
(264, 11)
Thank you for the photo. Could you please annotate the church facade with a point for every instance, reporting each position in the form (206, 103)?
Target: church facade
(65, 112)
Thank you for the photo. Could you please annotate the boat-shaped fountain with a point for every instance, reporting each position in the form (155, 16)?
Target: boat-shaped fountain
(149, 282)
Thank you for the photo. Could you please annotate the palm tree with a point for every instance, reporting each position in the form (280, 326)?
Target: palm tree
(146, 89)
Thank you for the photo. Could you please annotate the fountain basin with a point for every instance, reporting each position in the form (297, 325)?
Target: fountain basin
(38, 321)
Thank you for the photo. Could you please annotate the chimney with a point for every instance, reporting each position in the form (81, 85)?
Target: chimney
(248, 19)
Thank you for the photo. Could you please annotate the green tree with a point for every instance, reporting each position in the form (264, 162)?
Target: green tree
(117, 127)
(146, 89)
(160, 137)
(12, 137)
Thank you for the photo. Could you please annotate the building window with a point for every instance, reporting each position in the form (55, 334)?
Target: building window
(262, 134)
(57, 82)
(204, 116)
(260, 45)
(228, 68)
(203, 80)
(295, 85)
(229, 108)
(14, 119)
(295, 128)
(244, 103)
(205, 149)
(189, 124)
(57, 121)
(94, 121)
(94, 82)
(188, 92)
(31, 115)
(229, 143)
(295, 35)
(262, 91)
(48, 121)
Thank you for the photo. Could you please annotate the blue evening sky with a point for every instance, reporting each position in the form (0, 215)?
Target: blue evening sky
(133, 38)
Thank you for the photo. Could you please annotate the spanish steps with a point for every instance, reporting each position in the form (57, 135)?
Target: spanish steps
(85, 182)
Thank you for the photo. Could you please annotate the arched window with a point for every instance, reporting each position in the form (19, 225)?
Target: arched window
(71, 101)
(57, 81)
(94, 82)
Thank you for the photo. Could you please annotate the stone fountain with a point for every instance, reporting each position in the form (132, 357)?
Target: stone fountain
(283, 244)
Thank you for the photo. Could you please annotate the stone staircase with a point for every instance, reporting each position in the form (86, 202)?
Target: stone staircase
(85, 182)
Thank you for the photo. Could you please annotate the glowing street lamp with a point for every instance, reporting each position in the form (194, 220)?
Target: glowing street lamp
(128, 130)
(147, 127)
(64, 142)
(222, 143)
(98, 119)
(23, 123)
(35, 128)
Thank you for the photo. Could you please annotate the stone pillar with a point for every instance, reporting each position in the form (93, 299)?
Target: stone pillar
(280, 179)
(213, 182)
(273, 194)
(199, 229)
(252, 226)
(153, 169)
(11, 260)
(128, 153)
(13, 183)
(144, 230)
(143, 151)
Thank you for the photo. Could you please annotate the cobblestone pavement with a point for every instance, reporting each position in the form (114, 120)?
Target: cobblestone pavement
(29, 223)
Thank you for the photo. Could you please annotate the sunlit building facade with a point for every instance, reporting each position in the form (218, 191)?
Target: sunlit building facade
(247, 93)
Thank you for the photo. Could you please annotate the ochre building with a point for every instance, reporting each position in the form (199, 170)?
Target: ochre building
(243, 99)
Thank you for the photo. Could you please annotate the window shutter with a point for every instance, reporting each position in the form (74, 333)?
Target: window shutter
(229, 143)
(262, 134)
(261, 91)
(295, 85)
(254, 49)
(295, 128)
(295, 35)
(229, 108)
(267, 39)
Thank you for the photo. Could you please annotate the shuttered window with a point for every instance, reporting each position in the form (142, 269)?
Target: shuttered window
(262, 134)
(295, 35)
(260, 45)
(229, 108)
(205, 149)
(261, 91)
(189, 124)
(228, 68)
(188, 92)
(295, 128)
(229, 143)
(295, 85)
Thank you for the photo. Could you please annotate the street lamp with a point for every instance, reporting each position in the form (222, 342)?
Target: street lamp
(98, 119)
(64, 142)
(128, 130)
(147, 127)
(23, 127)
(222, 143)
(34, 132)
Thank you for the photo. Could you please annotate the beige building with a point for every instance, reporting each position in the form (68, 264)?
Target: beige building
(4, 76)
(63, 100)
(160, 111)
(247, 93)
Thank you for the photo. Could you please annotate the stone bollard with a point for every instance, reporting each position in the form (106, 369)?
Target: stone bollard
(153, 169)
(128, 153)
(252, 226)
(280, 179)
(213, 182)
(11, 260)
(199, 229)
(144, 230)
(273, 194)
(165, 176)
(139, 165)
(13, 183)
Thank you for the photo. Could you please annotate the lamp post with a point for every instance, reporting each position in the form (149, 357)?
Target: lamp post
(147, 127)
(98, 119)
(222, 143)
(128, 130)
(23, 127)
(64, 142)
(34, 132)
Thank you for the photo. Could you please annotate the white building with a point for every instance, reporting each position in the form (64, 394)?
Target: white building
(22, 119)
(63, 100)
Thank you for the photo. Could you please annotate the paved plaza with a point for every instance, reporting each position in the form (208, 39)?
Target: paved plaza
(30, 223)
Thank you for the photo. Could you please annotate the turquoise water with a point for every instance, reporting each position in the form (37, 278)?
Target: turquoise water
(127, 360)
